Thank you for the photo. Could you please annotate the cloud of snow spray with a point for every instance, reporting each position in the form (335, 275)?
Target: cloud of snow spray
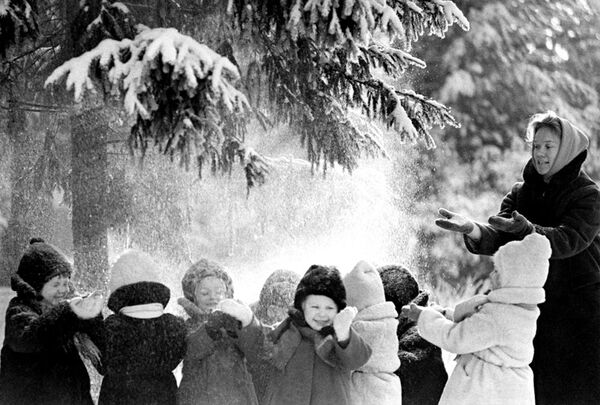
(369, 226)
(291, 222)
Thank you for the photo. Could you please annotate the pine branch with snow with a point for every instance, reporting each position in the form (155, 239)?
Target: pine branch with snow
(113, 20)
(428, 17)
(17, 23)
(181, 94)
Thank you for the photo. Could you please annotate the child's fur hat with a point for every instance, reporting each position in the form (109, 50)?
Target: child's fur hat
(321, 280)
(364, 287)
(135, 280)
(399, 285)
(524, 263)
(202, 269)
(41, 262)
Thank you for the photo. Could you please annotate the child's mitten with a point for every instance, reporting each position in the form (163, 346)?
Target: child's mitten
(342, 322)
(190, 308)
(412, 311)
(88, 307)
(239, 311)
(220, 324)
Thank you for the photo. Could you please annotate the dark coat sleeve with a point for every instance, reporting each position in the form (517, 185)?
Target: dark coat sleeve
(578, 226)
(27, 331)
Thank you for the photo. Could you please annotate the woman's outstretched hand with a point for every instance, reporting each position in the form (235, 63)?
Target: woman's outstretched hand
(517, 224)
(454, 222)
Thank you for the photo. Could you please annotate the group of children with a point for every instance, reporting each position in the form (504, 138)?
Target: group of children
(366, 338)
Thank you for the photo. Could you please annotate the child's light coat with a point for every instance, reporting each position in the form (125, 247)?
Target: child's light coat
(375, 382)
(494, 347)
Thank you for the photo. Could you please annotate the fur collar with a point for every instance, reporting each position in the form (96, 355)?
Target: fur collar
(565, 175)
(289, 333)
(24, 290)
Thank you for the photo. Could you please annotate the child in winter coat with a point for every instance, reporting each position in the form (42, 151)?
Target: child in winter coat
(214, 369)
(493, 333)
(40, 362)
(275, 300)
(374, 382)
(143, 344)
(422, 370)
(276, 297)
(312, 352)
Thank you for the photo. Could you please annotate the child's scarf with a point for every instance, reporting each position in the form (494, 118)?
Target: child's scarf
(287, 337)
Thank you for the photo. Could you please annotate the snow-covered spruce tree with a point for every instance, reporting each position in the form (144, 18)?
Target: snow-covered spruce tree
(327, 67)
(183, 96)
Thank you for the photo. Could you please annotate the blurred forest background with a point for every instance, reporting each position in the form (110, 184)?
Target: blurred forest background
(518, 57)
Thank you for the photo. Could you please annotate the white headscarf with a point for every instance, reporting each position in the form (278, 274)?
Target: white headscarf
(573, 141)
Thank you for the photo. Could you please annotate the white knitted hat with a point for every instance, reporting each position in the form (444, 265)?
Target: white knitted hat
(133, 266)
(364, 287)
(524, 263)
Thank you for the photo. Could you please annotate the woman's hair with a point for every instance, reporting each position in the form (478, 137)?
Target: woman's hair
(547, 119)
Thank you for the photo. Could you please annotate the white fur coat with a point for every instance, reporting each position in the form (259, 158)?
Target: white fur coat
(375, 382)
(494, 347)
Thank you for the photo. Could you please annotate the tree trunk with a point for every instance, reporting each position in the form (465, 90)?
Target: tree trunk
(89, 187)
(89, 128)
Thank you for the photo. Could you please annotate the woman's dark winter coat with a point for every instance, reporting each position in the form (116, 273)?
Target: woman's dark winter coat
(40, 363)
(421, 371)
(566, 210)
(139, 358)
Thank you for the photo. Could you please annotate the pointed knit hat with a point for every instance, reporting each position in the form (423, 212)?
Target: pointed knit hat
(524, 263)
(364, 287)
(41, 262)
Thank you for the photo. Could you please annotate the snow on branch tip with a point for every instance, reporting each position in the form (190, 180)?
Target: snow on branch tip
(127, 65)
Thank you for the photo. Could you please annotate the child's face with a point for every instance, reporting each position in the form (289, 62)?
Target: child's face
(319, 311)
(209, 292)
(276, 313)
(55, 290)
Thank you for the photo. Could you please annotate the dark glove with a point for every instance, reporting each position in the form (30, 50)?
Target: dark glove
(517, 224)
(454, 222)
(220, 324)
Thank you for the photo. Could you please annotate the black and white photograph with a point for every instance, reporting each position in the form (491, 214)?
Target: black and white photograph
(300, 202)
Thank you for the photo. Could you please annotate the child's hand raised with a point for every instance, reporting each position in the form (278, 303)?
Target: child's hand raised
(412, 311)
(190, 308)
(342, 321)
(236, 309)
(88, 307)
